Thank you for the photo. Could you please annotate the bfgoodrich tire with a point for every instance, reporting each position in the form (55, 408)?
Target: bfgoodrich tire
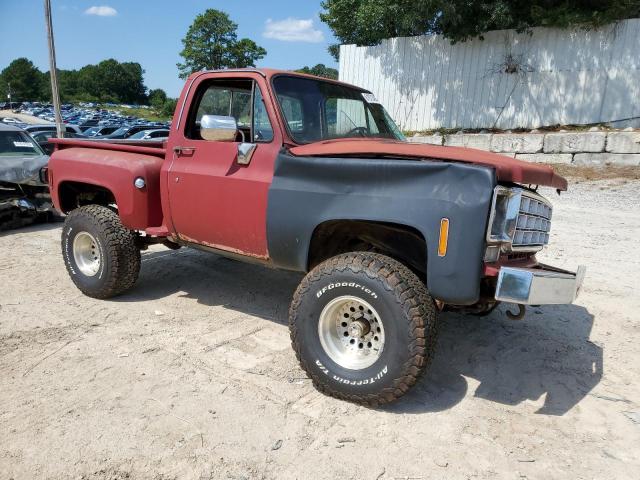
(363, 327)
(100, 253)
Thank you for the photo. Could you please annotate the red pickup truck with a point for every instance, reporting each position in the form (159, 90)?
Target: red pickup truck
(312, 175)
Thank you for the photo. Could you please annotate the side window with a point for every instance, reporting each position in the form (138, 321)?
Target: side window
(231, 98)
(215, 101)
(241, 108)
(262, 129)
(292, 109)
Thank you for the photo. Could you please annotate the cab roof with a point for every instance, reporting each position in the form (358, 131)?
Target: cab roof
(269, 73)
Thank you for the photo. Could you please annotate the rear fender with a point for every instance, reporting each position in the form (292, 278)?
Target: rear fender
(115, 172)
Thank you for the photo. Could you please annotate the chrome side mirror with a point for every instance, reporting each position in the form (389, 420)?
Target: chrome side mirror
(245, 152)
(218, 128)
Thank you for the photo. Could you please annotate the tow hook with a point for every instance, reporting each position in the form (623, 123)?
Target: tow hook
(519, 315)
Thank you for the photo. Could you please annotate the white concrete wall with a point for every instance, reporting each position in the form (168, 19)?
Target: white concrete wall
(595, 147)
(565, 77)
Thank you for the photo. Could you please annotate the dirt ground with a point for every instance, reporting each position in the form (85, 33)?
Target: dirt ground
(191, 374)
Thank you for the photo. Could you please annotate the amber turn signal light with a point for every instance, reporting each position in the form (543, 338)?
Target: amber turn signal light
(444, 237)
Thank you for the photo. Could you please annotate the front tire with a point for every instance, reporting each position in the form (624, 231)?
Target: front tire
(363, 327)
(99, 252)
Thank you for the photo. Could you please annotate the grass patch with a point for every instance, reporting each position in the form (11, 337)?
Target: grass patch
(146, 113)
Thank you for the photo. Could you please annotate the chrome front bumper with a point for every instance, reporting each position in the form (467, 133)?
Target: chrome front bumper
(543, 285)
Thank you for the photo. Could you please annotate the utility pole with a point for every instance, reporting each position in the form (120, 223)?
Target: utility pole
(9, 96)
(53, 72)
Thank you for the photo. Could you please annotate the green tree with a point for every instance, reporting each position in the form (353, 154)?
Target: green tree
(367, 22)
(211, 43)
(245, 53)
(132, 84)
(320, 70)
(169, 107)
(25, 78)
(68, 85)
(109, 80)
(112, 81)
(157, 98)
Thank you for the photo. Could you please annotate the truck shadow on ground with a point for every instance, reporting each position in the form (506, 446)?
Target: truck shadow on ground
(547, 354)
(213, 280)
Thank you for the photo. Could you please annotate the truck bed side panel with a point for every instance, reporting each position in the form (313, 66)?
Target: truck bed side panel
(308, 191)
(116, 171)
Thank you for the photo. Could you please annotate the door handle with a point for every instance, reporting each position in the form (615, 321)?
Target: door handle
(186, 151)
(245, 152)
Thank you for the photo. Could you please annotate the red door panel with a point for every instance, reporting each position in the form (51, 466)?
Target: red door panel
(214, 201)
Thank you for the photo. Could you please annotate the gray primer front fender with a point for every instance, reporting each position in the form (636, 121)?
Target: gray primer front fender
(307, 191)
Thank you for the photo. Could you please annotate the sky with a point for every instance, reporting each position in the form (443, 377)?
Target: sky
(150, 32)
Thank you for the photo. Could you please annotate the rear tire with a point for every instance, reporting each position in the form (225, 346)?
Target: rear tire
(99, 252)
(363, 327)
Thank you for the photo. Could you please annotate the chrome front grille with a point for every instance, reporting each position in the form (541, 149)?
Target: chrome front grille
(533, 223)
(519, 221)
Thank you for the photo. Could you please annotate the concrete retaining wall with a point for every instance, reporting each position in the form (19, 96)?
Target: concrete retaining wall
(579, 148)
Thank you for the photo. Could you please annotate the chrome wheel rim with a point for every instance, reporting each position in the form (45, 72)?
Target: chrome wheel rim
(86, 254)
(351, 332)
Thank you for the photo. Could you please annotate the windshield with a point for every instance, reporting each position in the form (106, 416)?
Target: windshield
(18, 144)
(315, 110)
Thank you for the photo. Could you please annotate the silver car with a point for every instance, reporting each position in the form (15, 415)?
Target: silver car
(158, 134)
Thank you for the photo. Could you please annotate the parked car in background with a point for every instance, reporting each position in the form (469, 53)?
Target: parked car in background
(10, 120)
(93, 121)
(126, 132)
(87, 124)
(24, 198)
(100, 131)
(51, 127)
(43, 139)
(150, 134)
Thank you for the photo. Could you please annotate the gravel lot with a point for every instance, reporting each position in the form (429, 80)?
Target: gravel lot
(191, 374)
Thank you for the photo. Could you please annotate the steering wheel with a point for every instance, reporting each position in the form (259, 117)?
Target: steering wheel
(362, 131)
